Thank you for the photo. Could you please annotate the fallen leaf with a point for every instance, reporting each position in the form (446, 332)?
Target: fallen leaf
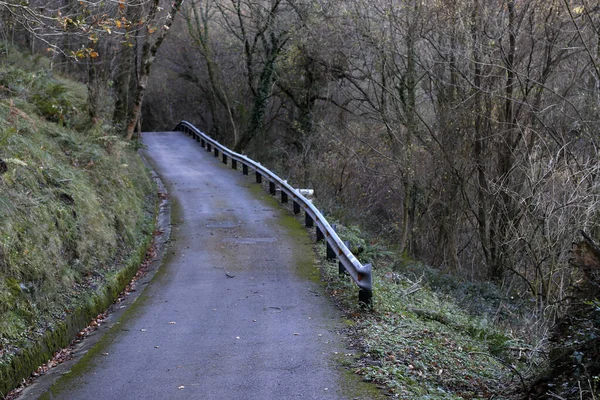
(172, 323)
(181, 387)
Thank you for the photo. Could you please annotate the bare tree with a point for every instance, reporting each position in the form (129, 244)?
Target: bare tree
(261, 30)
(147, 58)
(200, 16)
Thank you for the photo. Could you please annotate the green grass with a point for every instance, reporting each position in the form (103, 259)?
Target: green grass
(74, 202)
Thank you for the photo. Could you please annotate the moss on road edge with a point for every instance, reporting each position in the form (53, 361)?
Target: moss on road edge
(30, 358)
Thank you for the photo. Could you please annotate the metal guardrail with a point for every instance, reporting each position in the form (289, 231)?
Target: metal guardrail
(336, 248)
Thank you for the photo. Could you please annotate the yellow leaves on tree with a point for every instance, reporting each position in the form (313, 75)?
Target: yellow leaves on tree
(85, 53)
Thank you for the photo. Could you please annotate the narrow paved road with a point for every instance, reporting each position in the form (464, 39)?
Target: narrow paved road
(232, 313)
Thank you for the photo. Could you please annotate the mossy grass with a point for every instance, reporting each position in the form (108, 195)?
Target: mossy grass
(75, 203)
(420, 340)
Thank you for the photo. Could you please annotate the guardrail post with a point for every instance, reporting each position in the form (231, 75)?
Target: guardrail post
(258, 177)
(245, 170)
(272, 190)
(284, 196)
(233, 164)
(296, 208)
(208, 148)
(320, 235)
(224, 158)
(202, 143)
(216, 152)
(341, 269)
(365, 297)
(330, 253)
(365, 294)
(308, 221)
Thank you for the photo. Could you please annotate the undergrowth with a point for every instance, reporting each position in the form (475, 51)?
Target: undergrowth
(74, 200)
(430, 336)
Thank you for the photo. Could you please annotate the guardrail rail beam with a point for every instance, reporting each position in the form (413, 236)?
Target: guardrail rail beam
(361, 274)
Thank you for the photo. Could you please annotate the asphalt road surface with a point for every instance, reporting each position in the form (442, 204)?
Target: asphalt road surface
(232, 312)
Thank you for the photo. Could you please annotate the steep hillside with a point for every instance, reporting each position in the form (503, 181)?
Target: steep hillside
(75, 203)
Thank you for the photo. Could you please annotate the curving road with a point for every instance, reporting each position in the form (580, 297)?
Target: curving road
(232, 313)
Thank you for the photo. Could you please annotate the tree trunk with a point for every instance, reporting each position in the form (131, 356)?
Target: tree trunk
(410, 189)
(148, 56)
(93, 87)
(259, 107)
(198, 27)
(503, 212)
(125, 71)
(480, 142)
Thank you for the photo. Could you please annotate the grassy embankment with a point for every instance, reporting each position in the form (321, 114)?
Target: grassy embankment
(76, 214)
(431, 336)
